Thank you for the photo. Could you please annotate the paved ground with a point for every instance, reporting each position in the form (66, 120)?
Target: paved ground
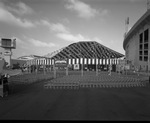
(33, 102)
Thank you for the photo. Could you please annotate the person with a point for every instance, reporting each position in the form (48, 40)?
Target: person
(5, 84)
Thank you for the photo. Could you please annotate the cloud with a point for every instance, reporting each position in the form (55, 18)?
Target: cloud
(20, 8)
(7, 17)
(70, 37)
(83, 10)
(75, 38)
(58, 27)
(38, 43)
(63, 32)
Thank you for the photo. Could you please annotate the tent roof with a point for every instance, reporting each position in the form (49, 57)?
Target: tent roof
(86, 49)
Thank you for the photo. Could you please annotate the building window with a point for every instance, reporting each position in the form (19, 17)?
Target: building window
(145, 58)
(141, 38)
(146, 35)
(143, 45)
(146, 52)
(146, 46)
(140, 53)
(140, 58)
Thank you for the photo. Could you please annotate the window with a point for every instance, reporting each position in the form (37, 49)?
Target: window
(146, 52)
(140, 53)
(141, 47)
(145, 58)
(146, 46)
(146, 35)
(140, 58)
(141, 38)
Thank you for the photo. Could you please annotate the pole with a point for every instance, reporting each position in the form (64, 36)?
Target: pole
(96, 60)
(110, 67)
(80, 61)
(96, 68)
(54, 69)
(82, 68)
(119, 65)
(67, 69)
(44, 68)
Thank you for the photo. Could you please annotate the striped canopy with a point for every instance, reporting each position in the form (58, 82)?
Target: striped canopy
(88, 49)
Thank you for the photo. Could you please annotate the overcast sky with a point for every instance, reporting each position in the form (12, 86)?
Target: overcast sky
(43, 26)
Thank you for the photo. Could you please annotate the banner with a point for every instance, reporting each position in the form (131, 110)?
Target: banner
(61, 63)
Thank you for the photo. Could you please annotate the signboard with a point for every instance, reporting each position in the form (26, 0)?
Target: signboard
(8, 43)
(7, 53)
(76, 67)
(60, 63)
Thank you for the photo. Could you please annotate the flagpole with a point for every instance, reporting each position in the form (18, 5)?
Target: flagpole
(126, 25)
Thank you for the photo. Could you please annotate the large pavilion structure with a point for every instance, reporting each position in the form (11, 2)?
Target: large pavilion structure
(88, 54)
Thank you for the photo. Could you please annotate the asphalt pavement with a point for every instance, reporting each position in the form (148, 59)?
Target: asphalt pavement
(34, 102)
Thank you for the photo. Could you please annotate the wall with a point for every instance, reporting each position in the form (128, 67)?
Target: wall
(132, 49)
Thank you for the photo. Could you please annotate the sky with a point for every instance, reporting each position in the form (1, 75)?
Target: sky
(43, 26)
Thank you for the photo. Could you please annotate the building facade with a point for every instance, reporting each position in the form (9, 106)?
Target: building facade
(137, 43)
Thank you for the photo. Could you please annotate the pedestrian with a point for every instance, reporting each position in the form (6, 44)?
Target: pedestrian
(5, 84)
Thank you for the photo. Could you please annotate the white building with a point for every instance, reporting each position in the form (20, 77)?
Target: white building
(137, 43)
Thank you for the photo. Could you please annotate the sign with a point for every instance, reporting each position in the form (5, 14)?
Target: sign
(8, 43)
(76, 67)
(7, 53)
(60, 63)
